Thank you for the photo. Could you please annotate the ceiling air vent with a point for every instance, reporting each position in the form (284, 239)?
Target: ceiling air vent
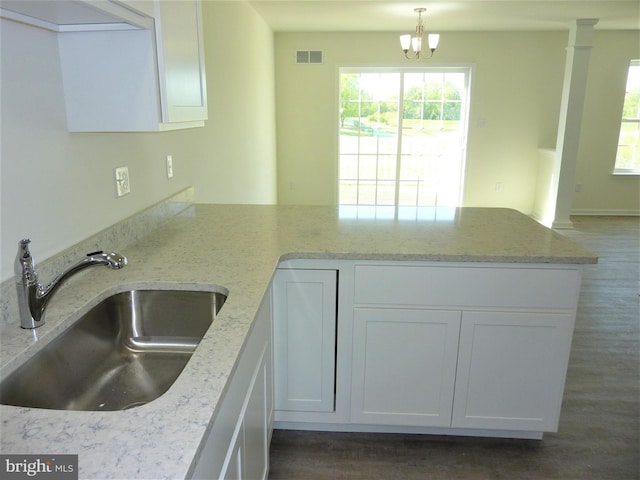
(309, 56)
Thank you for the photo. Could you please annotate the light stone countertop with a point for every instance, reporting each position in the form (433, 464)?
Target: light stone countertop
(237, 248)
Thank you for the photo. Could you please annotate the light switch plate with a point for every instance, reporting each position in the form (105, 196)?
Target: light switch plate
(122, 181)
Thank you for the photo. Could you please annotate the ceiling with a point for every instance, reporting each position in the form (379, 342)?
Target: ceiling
(442, 15)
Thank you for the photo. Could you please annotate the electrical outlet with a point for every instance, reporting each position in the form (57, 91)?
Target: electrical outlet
(122, 181)
(169, 166)
(498, 186)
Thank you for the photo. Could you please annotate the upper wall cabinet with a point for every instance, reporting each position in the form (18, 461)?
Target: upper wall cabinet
(127, 66)
(80, 15)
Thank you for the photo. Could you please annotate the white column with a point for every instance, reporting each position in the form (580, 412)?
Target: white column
(573, 93)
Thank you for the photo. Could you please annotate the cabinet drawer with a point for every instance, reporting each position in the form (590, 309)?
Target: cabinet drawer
(527, 287)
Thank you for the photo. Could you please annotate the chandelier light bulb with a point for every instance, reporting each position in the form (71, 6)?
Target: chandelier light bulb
(433, 39)
(416, 44)
(405, 42)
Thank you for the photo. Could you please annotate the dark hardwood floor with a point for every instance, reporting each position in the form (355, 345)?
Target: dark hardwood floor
(598, 437)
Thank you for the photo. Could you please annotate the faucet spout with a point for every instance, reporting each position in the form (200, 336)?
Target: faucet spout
(33, 297)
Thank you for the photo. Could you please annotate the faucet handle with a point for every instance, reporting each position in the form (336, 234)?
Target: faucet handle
(23, 248)
(24, 267)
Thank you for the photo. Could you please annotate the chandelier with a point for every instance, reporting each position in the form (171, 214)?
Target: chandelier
(415, 42)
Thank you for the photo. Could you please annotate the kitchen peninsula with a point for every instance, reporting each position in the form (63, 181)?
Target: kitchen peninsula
(484, 268)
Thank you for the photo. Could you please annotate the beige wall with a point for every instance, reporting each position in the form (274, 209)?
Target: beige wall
(602, 192)
(237, 161)
(516, 92)
(57, 188)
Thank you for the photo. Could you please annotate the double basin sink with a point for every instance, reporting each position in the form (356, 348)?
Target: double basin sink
(124, 352)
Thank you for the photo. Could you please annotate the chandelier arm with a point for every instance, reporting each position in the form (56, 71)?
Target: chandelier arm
(416, 55)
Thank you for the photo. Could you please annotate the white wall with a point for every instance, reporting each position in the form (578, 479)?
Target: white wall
(516, 89)
(57, 188)
(238, 151)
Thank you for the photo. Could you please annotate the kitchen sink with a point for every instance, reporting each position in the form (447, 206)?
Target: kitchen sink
(124, 352)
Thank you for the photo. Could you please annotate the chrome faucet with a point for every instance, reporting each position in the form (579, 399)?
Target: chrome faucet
(33, 297)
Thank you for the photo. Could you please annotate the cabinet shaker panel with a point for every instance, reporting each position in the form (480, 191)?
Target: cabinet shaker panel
(404, 366)
(304, 328)
(511, 370)
(181, 59)
(256, 426)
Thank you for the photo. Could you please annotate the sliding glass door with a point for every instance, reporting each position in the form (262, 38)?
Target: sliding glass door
(402, 136)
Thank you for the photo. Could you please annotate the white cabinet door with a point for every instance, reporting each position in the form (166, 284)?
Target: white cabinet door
(304, 339)
(137, 80)
(511, 370)
(404, 366)
(256, 426)
(248, 453)
(233, 469)
(181, 61)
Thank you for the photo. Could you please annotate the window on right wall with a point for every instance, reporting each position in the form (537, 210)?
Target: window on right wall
(628, 154)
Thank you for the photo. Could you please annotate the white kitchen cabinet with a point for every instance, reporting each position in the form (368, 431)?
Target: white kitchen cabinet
(404, 366)
(248, 456)
(137, 80)
(425, 347)
(234, 463)
(179, 40)
(511, 370)
(237, 445)
(80, 15)
(477, 349)
(143, 72)
(256, 424)
(304, 339)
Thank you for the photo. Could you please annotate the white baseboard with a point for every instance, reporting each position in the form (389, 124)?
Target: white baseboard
(562, 225)
(568, 225)
(606, 213)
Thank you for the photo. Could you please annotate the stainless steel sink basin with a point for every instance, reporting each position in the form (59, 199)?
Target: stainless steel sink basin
(125, 352)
